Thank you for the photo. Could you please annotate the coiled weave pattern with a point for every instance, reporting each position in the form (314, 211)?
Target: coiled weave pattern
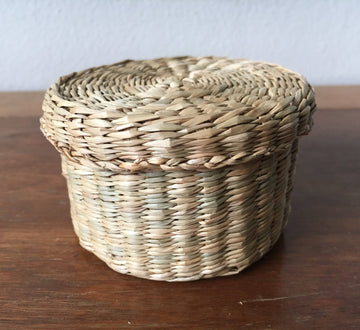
(179, 168)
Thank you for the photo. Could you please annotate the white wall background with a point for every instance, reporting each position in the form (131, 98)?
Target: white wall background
(43, 39)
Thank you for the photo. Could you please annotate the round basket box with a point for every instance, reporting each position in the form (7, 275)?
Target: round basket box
(179, 168)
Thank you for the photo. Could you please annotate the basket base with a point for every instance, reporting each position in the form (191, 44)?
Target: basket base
(223, 270)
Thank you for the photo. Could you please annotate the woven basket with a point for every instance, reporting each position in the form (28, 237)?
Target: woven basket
(179, 168)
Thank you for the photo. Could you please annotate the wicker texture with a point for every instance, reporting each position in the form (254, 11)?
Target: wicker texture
(179, 168)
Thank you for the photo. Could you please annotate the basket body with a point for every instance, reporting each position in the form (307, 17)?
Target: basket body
(179, 168)
(182, 225)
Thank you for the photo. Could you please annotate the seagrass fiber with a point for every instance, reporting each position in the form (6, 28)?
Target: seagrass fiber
(179, 168)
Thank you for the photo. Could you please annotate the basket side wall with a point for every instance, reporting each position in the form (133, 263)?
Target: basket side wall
(182, 225)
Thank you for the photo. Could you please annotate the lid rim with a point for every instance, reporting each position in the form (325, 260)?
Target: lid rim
(208, 119)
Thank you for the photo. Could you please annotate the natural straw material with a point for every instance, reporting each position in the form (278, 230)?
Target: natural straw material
(179, 168)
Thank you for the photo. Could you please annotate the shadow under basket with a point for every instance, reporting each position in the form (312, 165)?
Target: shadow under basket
(179, 168)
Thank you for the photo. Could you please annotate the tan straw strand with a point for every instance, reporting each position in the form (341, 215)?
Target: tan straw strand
(179, 168)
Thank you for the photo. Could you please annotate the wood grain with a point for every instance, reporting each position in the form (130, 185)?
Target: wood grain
(309, 280)
(20, 104)
(338, 97)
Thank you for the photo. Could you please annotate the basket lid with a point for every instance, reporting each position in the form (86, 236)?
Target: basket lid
(180, 112)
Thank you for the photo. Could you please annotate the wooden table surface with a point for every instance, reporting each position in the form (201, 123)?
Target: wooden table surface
(310, 280)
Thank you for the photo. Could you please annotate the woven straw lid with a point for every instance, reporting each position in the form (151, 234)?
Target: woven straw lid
(176, 113)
